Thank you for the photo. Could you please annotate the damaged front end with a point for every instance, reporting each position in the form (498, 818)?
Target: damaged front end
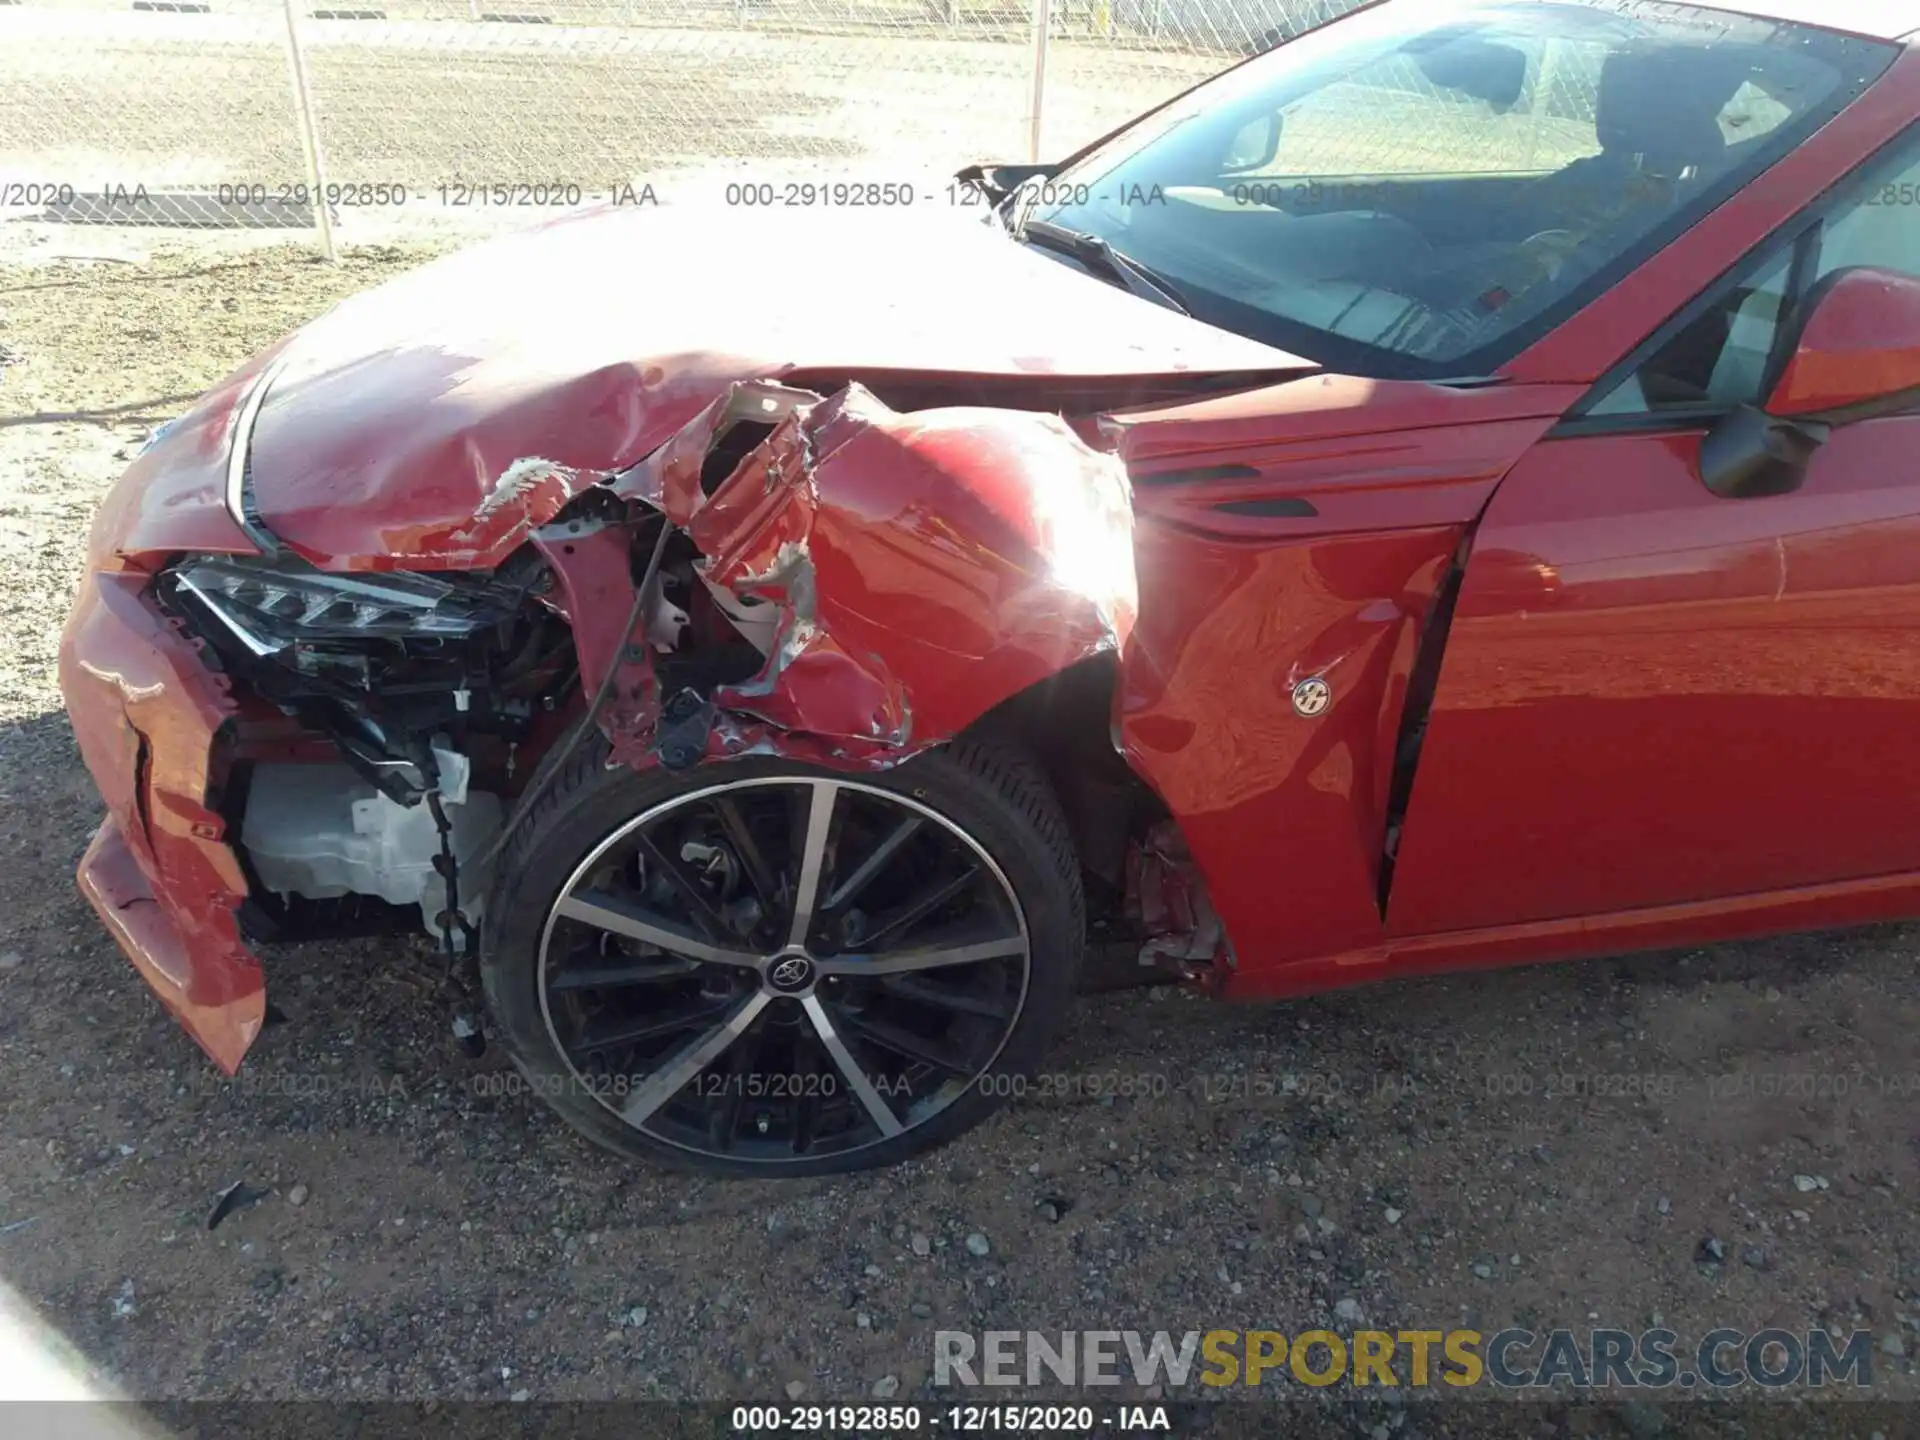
(822, 578)
(371, 702)
(897, 575)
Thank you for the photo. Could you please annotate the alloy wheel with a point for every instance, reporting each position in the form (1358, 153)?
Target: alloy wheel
(783, 968)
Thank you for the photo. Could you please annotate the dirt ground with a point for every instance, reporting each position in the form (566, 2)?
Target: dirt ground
(1444, 1153)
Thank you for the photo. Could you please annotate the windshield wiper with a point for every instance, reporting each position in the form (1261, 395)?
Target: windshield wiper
(1098, 256)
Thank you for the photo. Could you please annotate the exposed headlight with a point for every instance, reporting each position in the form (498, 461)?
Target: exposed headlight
(379, 663)
(270, 604)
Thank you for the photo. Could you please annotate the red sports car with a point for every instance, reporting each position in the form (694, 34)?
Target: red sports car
(1444, 493)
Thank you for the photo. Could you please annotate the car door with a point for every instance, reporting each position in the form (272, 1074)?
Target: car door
(1653, 695)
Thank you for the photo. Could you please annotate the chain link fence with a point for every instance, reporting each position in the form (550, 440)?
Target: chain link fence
(236, 113)
(241, 113)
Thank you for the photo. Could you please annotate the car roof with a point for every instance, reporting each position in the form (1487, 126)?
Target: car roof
(1881, 19)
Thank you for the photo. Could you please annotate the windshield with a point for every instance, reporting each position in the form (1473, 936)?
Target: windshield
(1422, 189)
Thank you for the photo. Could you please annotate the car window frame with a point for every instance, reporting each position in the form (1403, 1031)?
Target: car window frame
(1800, 234)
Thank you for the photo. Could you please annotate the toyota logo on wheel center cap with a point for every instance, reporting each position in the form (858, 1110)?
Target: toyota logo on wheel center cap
(791, 975)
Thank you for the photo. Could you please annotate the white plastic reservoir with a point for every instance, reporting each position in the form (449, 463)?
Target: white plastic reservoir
(321, 831)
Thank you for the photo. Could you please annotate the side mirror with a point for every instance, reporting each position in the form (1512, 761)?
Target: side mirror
(997, 182)
(1253, 145)
(1750, 454)
(1854, 354)
(1857, 353)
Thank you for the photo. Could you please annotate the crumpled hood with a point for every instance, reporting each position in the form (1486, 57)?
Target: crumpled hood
(429, 422)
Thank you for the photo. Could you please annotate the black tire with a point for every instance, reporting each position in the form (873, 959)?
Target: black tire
(998, 800)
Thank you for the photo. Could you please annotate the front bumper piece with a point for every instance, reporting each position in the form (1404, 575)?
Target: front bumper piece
(146, 711)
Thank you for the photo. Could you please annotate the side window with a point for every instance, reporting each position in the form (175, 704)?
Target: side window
(1882, 227)
(1718, 358)
(1721, 358)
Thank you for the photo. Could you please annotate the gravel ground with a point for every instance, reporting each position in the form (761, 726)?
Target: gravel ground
(1436, 1153)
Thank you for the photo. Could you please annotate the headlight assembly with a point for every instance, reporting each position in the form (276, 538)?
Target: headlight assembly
(386, 665)
(282, 610)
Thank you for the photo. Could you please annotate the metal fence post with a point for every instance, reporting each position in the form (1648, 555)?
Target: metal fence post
(309, 132)
(1042, 24)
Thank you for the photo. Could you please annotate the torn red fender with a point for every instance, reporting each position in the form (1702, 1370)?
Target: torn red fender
(595, 568)
(670, 478)
(926, 566)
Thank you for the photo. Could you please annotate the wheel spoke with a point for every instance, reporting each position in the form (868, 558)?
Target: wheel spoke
(724, 1123)
(759, 875)
(925, 957)
(896, 923)
(877, 1108)
(806, 1105)
(698, 905)
(813, 855)
(641, 972)
(904, 1042)
(904, 985)
(672, 1077)
(849, 889)
(609, 1035)
(607, 911)
(806, 1110)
